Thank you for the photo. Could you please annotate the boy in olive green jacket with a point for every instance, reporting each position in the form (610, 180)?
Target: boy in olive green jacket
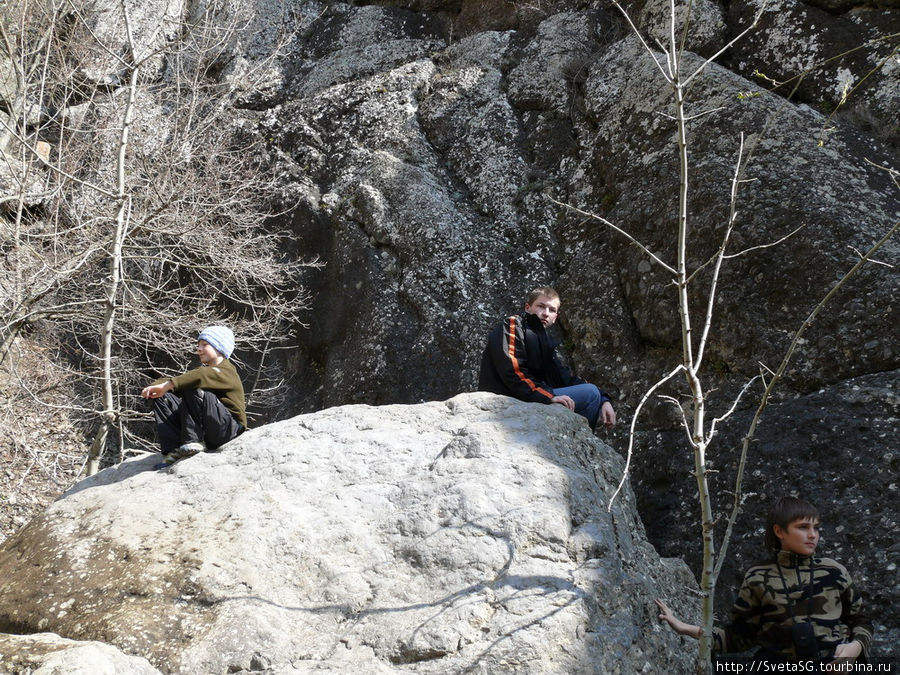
(203, 408)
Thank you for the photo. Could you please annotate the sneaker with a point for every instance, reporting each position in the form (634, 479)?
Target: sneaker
(168, 459)
(188, 450)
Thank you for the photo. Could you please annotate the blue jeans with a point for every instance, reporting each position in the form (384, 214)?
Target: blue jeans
(587, 400)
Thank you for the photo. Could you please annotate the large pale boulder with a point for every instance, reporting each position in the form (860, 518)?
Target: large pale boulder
(49, 654)
(468, 534)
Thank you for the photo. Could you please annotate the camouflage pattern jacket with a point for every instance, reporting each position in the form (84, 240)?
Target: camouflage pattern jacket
(820, 592)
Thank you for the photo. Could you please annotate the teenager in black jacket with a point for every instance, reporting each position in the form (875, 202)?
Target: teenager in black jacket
(520, 361)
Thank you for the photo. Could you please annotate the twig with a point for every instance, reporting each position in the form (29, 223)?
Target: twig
(634, 417)
(874, 262)
(769, 245)
(618, 229)
(730, 411)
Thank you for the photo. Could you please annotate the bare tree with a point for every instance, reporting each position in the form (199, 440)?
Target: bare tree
(41, 255)
(169, 194)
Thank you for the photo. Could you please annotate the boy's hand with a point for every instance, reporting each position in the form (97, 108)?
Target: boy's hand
(567, 401)
(608, 415)
(679, 626)
(156, 390)
(848, 650)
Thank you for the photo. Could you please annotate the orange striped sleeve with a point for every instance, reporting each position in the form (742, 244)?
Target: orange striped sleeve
(515, 362)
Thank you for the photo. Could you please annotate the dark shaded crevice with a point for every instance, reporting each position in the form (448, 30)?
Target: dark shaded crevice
(18, 628)
(409, 656)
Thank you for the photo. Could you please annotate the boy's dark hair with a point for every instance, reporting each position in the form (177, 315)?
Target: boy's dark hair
(539, 291)
(783, 512)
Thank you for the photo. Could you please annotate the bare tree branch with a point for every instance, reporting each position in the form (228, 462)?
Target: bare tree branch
(618, 229)
(776, 377)
(637, 411)
(769, 245)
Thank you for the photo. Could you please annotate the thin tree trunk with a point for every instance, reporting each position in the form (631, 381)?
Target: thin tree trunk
(691, 367)
(109, 415)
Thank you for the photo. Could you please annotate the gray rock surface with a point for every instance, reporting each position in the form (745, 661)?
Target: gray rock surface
(708, 31)
(11, 169)
(154, 24)
(852, 55)
(471, 534)
(49, 654)
(837, 197)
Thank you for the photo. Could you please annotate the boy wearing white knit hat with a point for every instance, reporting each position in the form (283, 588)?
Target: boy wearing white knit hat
(203, 408)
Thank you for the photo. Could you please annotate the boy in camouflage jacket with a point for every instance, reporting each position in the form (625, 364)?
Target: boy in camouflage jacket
(793, 588)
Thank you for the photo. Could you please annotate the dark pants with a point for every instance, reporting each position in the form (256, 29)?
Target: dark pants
(194, 415)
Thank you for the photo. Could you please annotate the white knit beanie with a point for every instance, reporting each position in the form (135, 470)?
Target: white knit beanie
(220, 337)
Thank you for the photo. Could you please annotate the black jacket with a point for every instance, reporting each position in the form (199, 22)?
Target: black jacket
(520, 361)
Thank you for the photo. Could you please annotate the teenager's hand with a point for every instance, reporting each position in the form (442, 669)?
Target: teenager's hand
(607, 415)
(848, 650)
(677, 624)
(566, 401)
(156, 390)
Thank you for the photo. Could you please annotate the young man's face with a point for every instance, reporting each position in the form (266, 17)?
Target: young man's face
(207, 353)
(801, 536)
(544, 308)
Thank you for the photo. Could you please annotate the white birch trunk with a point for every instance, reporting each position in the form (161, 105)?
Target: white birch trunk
(109, 415)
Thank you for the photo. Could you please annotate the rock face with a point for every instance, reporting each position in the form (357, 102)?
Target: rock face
(424, 161)
(831, 58)
(471, 534)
